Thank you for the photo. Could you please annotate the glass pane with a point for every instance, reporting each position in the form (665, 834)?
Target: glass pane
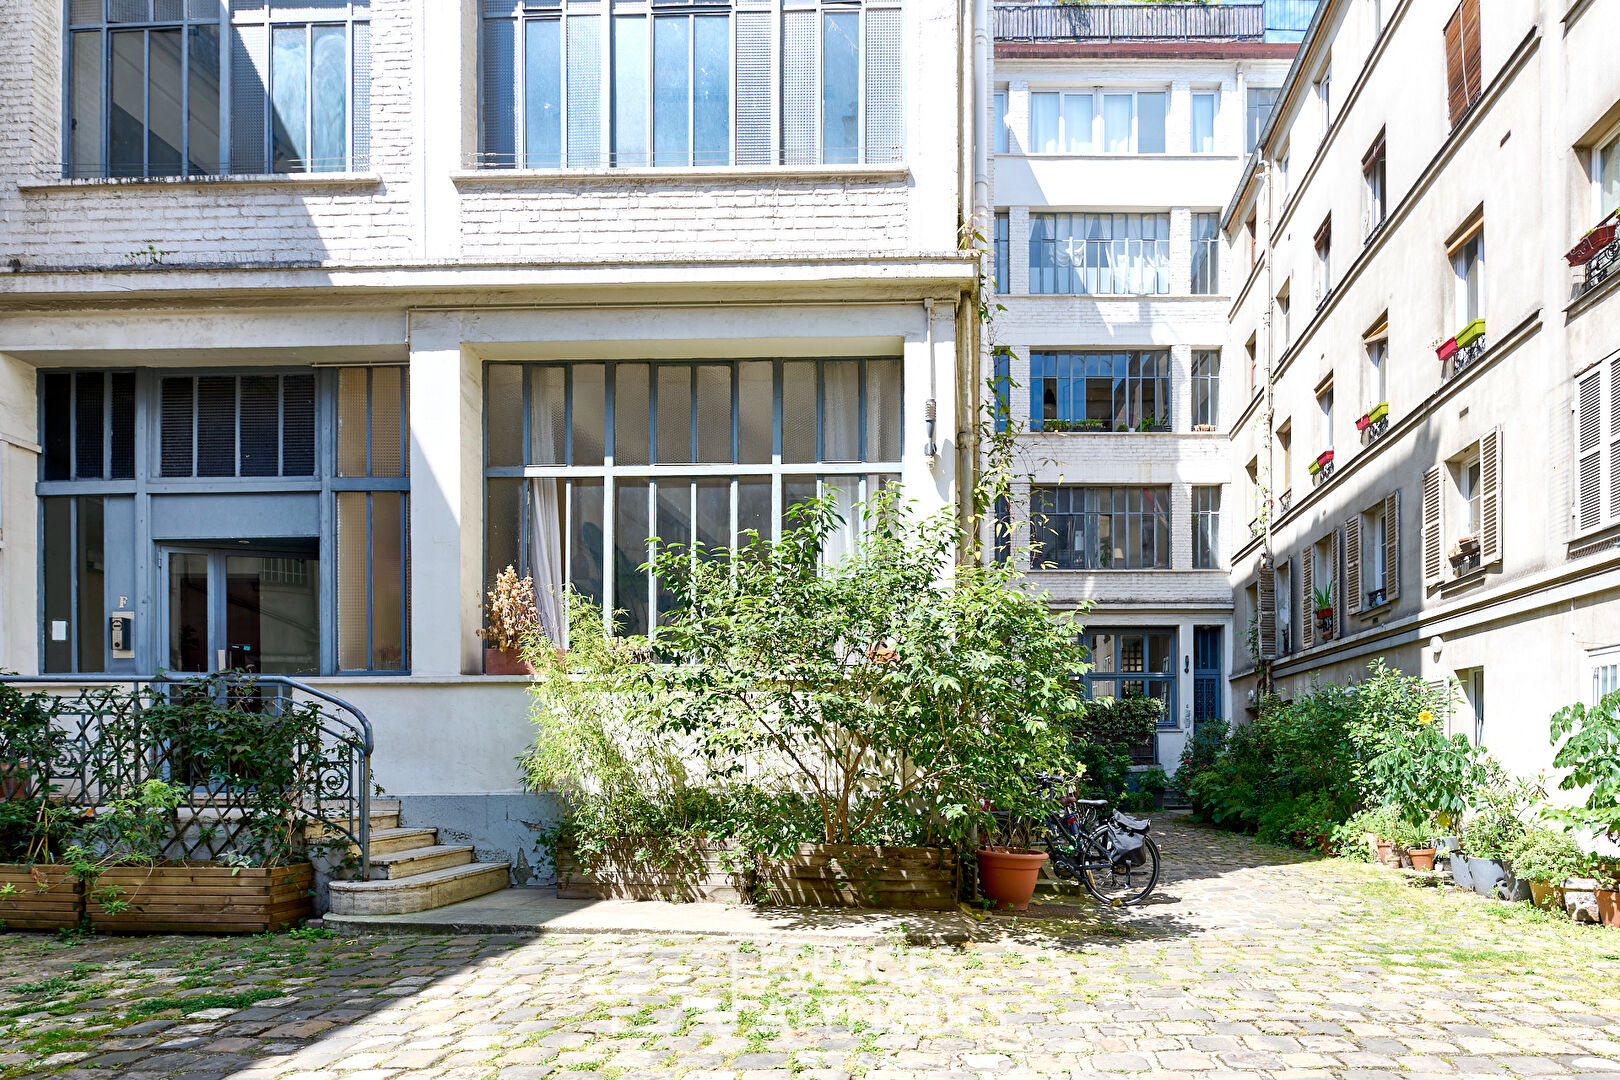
(503, 519)
(272, 614)
(289, 99)
(503, 416)
(840, 87)
(166, 118)
(713, 514)
(126, 121)
(629, 90)
(121, 465)
(1161, 657)
(585, 538)
(90, 425)
(188, 612)
(1609, 178)
(329, 106)
(630, 529)
(841, 411)
(1043, 123)
(798, 410)
(711, 90)
(796, 490)
(216, 426)
(754, 411)
(91, 566)
(261, 425)
(630, 414)
(587, 415)
(58, 607)
(883, 410)
(547, 419)
(87, 104)
(1117, 123)
(674, 528)
(1203, 123)
(1076, 123)
(714, 412)
(176, 411)
(542, 89)
(999, 123)
(351, 422)
(671, 82)
(1150, 123)
(845, 491)
(387, 405)
(388, 581)
(753, 510)
(353, 550)
(298, 425)
(674, 412)
(202, 110)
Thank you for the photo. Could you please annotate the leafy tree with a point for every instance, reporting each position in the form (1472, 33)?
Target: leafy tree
(1588, 741)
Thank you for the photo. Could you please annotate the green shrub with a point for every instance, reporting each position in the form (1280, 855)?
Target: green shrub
(1497, 822)
(1102, 738)
(1544, 855)
(1588, 741)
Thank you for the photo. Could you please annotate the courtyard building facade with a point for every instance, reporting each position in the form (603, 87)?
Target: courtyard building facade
(316, 317)
(1422, 286)
(1119, 133)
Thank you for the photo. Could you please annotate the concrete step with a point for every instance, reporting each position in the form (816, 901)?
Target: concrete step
(386, 818)
(418, 892)
(393, 865)
(401, 839)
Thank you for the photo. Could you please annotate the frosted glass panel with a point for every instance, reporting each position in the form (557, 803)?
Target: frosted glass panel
(588, 415)
(630, 414)
(798, 410)
(546, 415)
(630, 90)
(754, 411)
(329, 106)
(714, 412)
(504, 418)
(289, 99)
(841, 409)
(674, 413)
(542, 87)
(840, 87)
(883, 410)
(672, 70)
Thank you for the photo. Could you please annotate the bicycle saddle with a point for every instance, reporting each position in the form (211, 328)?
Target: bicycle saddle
(1090, 802)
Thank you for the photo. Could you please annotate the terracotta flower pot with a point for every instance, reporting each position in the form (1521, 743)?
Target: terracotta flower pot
(505, 662)
(1386, 854)
(1580, 899)
(1008, 877)
(1544, 894)
(1608, 902)
(1422, 858)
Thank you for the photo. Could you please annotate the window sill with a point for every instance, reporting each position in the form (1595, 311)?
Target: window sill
(1374, 612)
(1167, 156)
(344, 179)
(496, 176)
(1204, 297)
(1604, 538)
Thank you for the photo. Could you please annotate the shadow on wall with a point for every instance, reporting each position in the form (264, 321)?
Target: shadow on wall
(500, 827)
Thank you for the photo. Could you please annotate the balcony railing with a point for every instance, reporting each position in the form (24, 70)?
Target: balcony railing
(1126, 22)
(1598, 269)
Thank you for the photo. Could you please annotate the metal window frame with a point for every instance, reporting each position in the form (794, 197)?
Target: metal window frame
(1168, 718)
(1206, 385)
(1122, 382)
(1070, 279)
(1206, 512)
(1085, 523)
(271, 19)
(611, 474)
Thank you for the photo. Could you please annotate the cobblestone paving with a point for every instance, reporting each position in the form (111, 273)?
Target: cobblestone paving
(1253, 963)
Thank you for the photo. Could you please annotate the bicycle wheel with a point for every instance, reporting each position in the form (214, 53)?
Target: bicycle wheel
(1120, 885)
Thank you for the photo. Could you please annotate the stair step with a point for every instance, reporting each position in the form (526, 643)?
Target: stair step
(418, 892)
(394, 865)
(384, 841)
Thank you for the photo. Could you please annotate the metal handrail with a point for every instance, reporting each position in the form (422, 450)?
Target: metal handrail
(355, 731)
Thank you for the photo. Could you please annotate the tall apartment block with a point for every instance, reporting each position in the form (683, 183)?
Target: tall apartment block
(1119, 134)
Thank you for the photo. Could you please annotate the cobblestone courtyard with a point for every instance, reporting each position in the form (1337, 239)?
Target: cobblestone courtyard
(1254, 962)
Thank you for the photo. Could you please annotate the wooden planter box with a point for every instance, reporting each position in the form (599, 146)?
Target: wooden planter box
(47, 897)
(831, 875)
(820, 875)
(203, 898)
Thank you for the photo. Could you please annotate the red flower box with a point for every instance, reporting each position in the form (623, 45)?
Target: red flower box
(1448, 350)
(1361, 425)
(1324, 457)
(1594, 241)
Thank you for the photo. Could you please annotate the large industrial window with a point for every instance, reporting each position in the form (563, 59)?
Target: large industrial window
(373, 522)
(669, 83)
(1100, 528)
(149, 82)
(1100, 391)
(1206, 528)
(237, 425)
(89, 425)
(1206, 254)
(1206, 389)
(1129, 662)
(1099, 253)
(586, 463)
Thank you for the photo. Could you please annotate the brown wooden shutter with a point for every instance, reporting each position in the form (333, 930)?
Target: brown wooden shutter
(1433, 548)
(1335, 592)
(1614, 439)
(1267, 588)
(1490, 497)
(1307, 569)
(1392, 546)
(1588, 451)
(1352, 565)
(1456, 86)
(1473, 72)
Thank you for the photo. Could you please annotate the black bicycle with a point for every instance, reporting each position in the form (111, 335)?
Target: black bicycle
(1111, 855)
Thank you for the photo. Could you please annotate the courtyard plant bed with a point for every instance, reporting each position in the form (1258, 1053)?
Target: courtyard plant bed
(840, 729)
(39, 897)
(202, 898)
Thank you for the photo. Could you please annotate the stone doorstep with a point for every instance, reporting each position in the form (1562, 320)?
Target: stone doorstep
(418, 892)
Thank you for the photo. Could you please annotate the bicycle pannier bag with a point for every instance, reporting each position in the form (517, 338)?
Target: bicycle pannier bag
(1125, 835)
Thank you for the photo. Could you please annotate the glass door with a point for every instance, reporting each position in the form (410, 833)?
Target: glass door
(247, 608)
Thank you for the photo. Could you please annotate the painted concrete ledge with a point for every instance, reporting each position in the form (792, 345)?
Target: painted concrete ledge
(538, 911)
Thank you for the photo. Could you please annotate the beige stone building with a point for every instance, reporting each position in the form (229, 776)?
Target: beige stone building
(1428, 445)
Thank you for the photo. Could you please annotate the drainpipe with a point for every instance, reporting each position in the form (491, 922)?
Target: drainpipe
(982, 215)
(1268, 565)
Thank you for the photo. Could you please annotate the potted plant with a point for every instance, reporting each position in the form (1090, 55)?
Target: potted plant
(1608, 896)
(1410, 847)
(510, 618)
(1586, 737)
(1494, 826)
(1470, 333)
(1545, 859)
(1465, 548)
(1323, 599)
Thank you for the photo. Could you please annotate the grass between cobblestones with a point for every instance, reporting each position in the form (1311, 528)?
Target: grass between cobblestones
(1253, 962)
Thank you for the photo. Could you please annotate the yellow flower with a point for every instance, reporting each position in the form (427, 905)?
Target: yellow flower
(1425, 717)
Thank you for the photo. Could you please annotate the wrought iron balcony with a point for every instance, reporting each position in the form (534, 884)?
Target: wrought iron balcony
(1598, 269)
(1374, 431)
(1130, 22)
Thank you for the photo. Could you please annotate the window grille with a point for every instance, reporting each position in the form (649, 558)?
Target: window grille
(88, 425)
(231, 425)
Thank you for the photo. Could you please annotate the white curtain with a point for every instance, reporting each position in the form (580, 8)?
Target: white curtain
(545, 558)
